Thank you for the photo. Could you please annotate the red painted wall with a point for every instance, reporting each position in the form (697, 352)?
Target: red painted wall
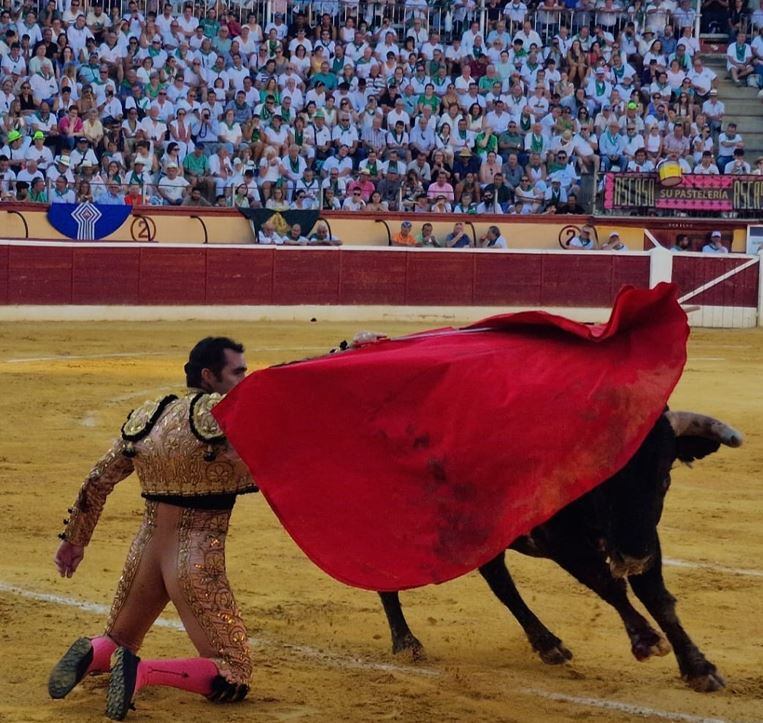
(220, 275)
(691, 272)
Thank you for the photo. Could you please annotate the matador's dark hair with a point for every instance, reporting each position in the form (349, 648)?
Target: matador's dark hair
(209, 353)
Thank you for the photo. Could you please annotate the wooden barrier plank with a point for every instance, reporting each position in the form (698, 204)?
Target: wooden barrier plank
(576, 279)
(102, 275)
(172, 276)
(372, 277)
(303, 276)
(507, 279)
(239, 276)
(3, 275)
(440, 278)
(629, 270)
(692, 272)
(40, 275)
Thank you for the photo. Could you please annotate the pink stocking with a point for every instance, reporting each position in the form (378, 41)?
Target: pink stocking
(103, 647)
(192, 674)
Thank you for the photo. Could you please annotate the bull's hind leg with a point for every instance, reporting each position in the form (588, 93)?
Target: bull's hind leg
(695, 668)
(594, 573)
(543, 641)
(403, 640)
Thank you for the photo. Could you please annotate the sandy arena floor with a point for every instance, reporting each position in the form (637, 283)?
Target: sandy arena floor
(322, 650)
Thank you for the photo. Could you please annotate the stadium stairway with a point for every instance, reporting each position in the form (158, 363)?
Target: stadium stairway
(743, 106)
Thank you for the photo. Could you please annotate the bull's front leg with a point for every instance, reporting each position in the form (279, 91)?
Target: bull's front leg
(589, 567)
(695, 668)
(543, 641)
(403, 640)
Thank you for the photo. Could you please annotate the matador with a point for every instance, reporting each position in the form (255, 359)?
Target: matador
(190, 477)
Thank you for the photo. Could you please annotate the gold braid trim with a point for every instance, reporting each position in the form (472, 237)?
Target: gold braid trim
(131, 565)
(202, 578)
(112, 468)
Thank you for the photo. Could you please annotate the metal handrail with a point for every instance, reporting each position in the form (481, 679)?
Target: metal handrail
(386, 226)
(204, 226)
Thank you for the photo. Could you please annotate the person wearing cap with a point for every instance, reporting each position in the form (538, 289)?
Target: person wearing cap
(39, 152)
(715, 245)
(60, 168)
(583, 240)
(714, 109)
(614, 243)
(15, 150)
(599, 89)
(612, 146)
(172, 188)
(405, 236)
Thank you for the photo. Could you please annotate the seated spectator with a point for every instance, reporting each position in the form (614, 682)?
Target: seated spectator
(715, 245)
(614, 243)
(426, 236)
(172, 188)
(322, 237)
(294, 237)
(682, 243)
(583, 240)
(738, 165)
(572, 206)
(457, 238)
(440, 204)
(404, 237)
(268, 235)
(493, 239)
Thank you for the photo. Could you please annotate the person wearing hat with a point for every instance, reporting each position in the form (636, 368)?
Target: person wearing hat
(464, 163)
(172, 187)
(583, 240)
(82, 151)
(60, 168)
(715, 245)
(714, 110)
(599, 89)
(39, 152)
(15, 150)
(612, 146)
(614, 243)
(404, 237)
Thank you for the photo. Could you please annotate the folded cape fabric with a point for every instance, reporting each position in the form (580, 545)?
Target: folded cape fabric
(415, 460)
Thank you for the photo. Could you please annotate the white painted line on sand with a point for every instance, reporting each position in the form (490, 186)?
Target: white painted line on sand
(712, 567)
(358, 663)
(76, 357)
(630, 708)
(305, 651)
(707, 358)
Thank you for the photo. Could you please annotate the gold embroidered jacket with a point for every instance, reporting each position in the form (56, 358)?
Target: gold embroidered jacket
(176, 447)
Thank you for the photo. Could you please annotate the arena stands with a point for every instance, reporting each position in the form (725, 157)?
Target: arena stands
(470, 106)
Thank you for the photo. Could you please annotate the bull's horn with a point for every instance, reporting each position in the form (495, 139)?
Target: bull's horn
(699, 425)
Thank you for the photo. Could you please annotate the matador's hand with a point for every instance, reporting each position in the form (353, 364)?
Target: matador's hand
(68, 557)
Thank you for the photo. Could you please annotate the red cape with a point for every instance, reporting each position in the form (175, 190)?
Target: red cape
(415, 460)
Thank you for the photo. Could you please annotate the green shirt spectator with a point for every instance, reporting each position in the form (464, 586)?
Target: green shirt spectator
(485, 142)
(196, 163)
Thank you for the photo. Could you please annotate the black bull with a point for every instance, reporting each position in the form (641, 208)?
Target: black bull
(605, 538)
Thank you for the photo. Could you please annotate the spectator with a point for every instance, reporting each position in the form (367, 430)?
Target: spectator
(294, 237)
(715, 245)
(682, 243)
(493, 239)
(457, 238)
(583, 240)
(614, 243)
(404, 237)
(426, 236)
(322, 237)
(172, 188)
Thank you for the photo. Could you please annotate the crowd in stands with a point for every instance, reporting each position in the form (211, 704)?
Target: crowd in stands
(497, 106)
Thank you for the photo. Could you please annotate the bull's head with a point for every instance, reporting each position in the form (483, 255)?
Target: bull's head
(629, 505)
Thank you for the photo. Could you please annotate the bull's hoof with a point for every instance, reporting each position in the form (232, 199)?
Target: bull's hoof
(707, 682)
(648, 644)
(557, 655)
(409, 646)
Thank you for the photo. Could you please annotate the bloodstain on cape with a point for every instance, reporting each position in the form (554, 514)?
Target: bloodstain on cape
(415, 460)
